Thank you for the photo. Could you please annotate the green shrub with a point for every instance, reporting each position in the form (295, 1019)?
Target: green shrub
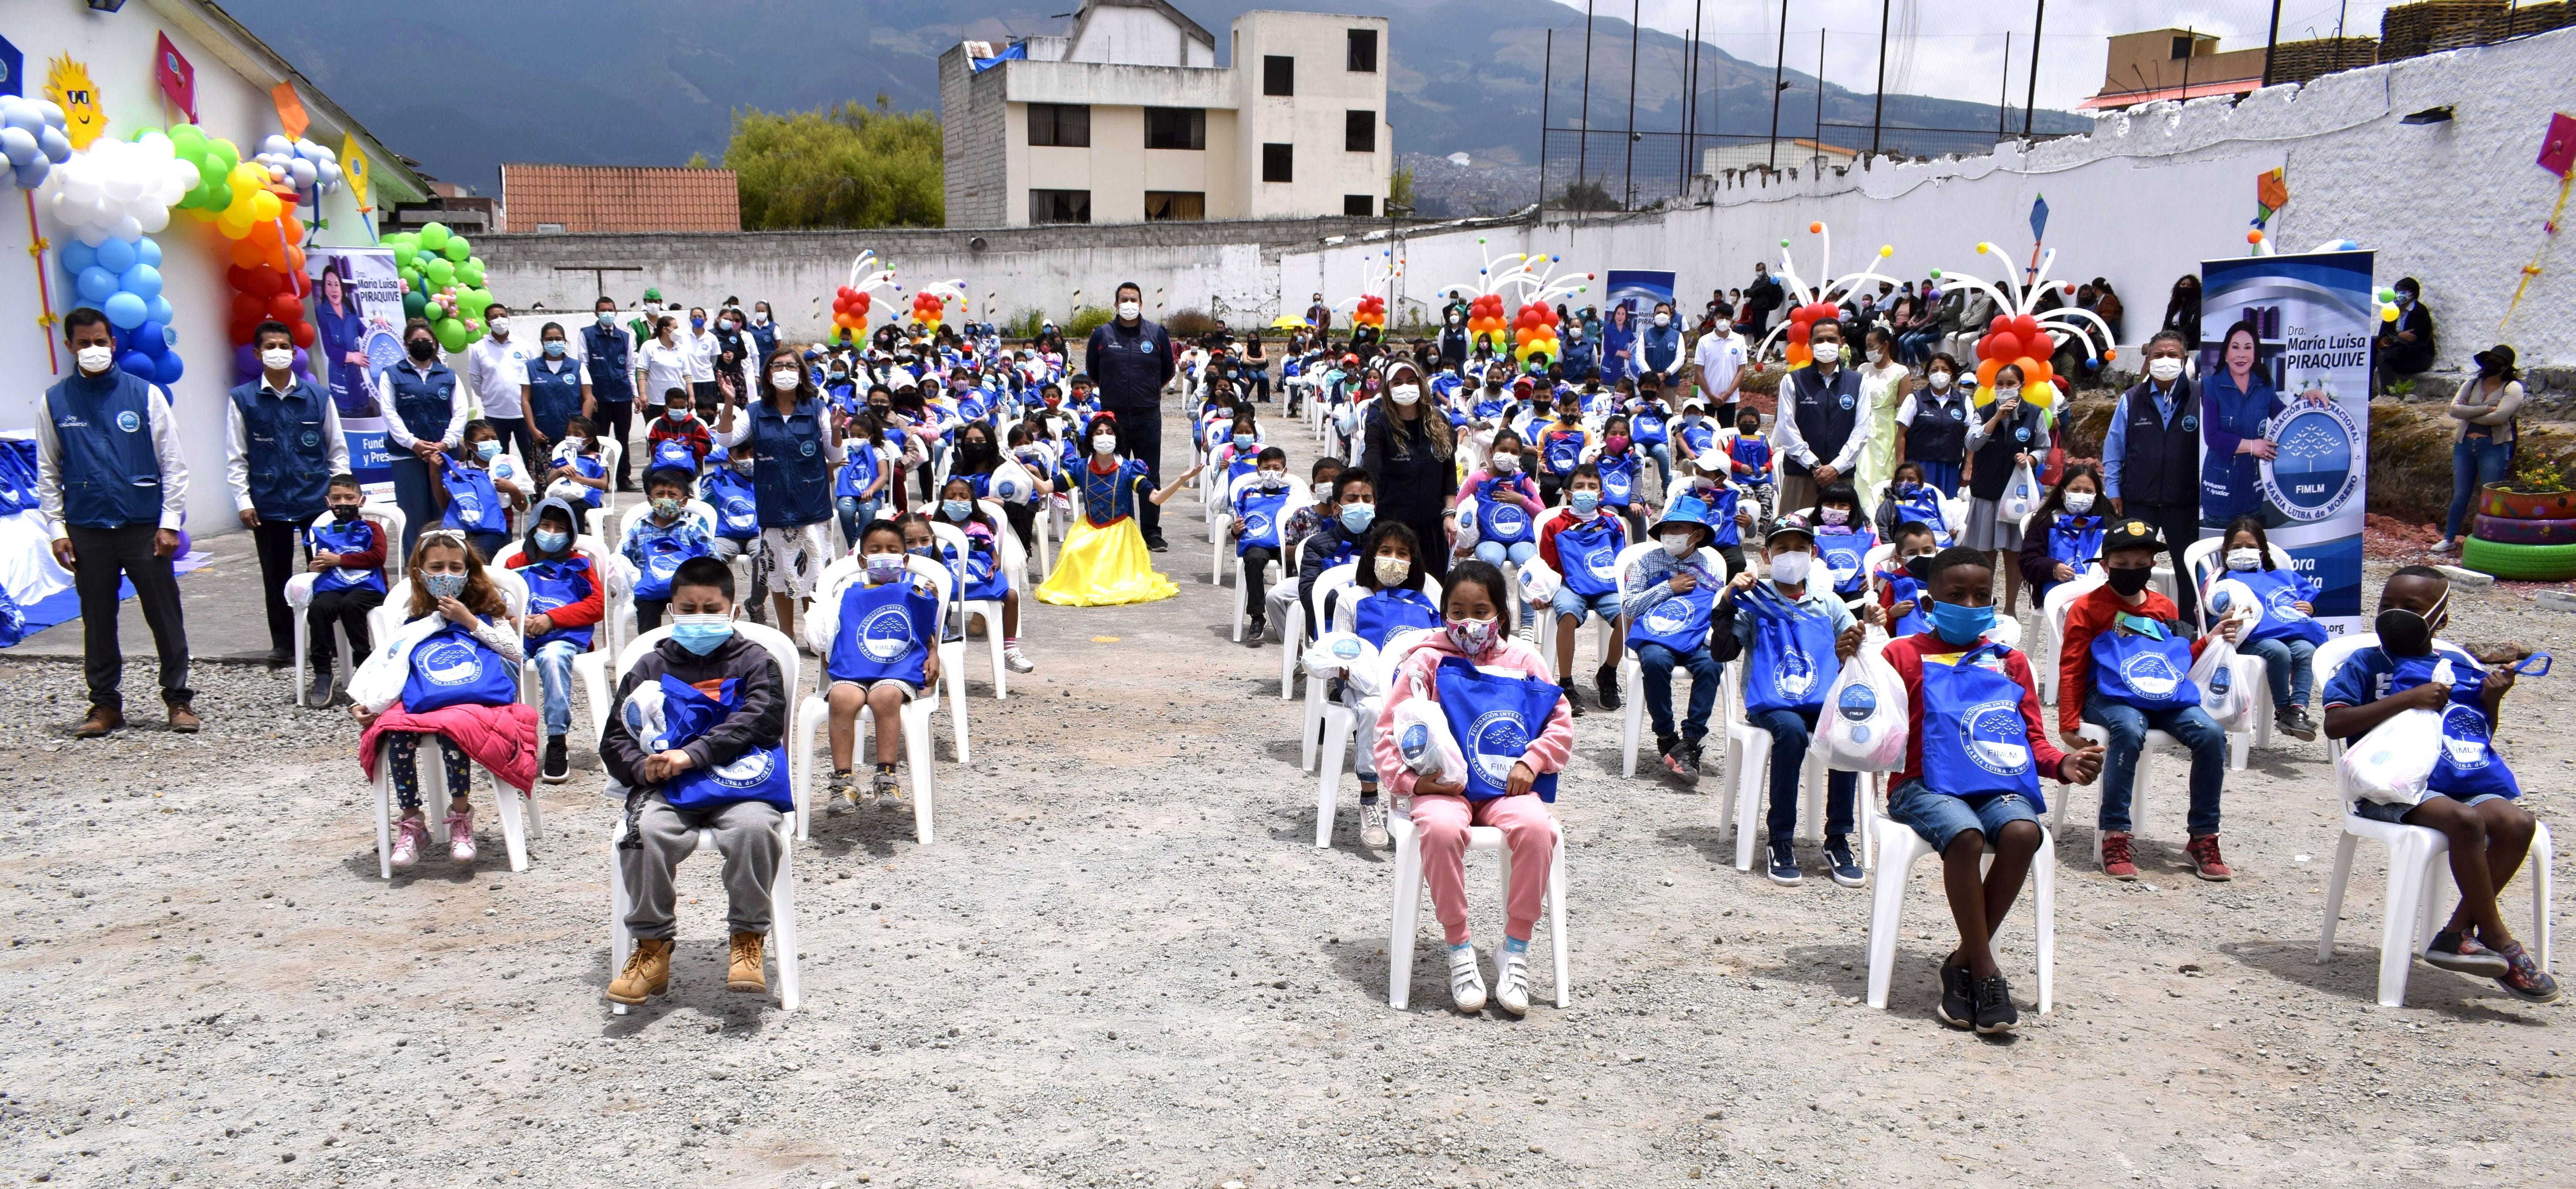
(1190, 324)
(1025, 324)
(1086, 320)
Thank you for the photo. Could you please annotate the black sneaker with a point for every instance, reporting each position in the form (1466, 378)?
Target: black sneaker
(1607, 681)
(1157, 544)
(558, 766)
(320, 693)
(1682, 760)
(1958, 1006)
(2294, 722)
(1573, 697)
(1784, 863)
(279, 658)
(1255, 632)
(1995, 1010)
(1846, 869)
(2460, 952)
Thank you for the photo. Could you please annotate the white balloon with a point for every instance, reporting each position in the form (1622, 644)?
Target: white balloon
(93, 236)
(123, 186)
(80, 186)
(154, 218)
(186, 172)
(54, 114)
(303, 173)
(275, 144)
(158, 144)
(127, 228)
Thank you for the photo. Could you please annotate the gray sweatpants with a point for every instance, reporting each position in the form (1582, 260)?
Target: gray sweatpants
(747, 836)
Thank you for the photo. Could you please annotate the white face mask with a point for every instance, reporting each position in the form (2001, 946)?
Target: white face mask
(94, 360)
(1790, 568)
(1392, 571)
(1940, 381)
(1876, 357)
(1663, 319)
(2005, 394)
(276, 359)
(2244, 559)
(1323, 490)
(784, 379)
(1828, 353)
(2079, 502)
(1105, 444)
(1129, 311)
(2164, 370)
(1678, 542)
(1404, 394)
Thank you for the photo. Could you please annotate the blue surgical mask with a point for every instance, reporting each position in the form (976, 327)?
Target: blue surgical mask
(443, 586)
(955, 509)
(1242, 440)
(1585, 502)
(1962, 625)
(550, 541)
(554, 348)
(487, 450)
(607, 319)
(701, 633)
(1358, 517)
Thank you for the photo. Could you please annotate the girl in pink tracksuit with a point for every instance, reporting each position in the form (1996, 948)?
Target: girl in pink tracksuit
(1511, 683)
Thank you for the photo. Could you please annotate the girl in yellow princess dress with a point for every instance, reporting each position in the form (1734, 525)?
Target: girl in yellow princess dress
(1104, 562)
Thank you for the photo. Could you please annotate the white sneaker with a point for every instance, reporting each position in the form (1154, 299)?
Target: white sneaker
(1373, 822)
(1511, 979)
(1466, 982)
(1018, 661)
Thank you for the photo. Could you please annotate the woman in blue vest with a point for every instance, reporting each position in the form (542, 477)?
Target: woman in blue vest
(283, 443)
(558, 390)
(428, 408)
(794, 453)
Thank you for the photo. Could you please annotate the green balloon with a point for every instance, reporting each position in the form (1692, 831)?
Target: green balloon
(433, 237)
(404, 254)
(457, 249)
(226, 156)
(470, 273)
(413, 304)
(441, 274)
(451, 334)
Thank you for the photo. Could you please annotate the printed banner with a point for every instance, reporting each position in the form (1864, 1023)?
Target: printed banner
(2285, 411)
(1638, 289)
(357, 321)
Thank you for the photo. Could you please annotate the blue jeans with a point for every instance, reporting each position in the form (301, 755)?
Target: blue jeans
(1940, 818)
(1659, 662)
(2190, 726)
(1915, 346)
(2475, 462)
(1789, 731)
(2289, 663)
(855, 513)
(554, 685)
(1662, 453)
(1495, 553)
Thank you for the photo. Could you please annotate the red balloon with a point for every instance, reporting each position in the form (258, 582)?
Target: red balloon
(2002, 345)
(302, 333)
(267, 282)
(285, 308)
(2026, 326)
(248, 305)
(1801, 316)
(1798, 331)
(243, 328)
(237, 277)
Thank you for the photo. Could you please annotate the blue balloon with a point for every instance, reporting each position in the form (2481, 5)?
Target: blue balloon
(138, 363)
(116, 255)
(30, 175)
(159, 310)
(124, 311)
(142, 280)
(168, 369)
(96, 283)
(76, 256)
(147, 252)
(151, 338)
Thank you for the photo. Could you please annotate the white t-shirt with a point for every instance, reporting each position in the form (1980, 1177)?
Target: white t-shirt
(665, 368)
(1720, 355)
(496, 369)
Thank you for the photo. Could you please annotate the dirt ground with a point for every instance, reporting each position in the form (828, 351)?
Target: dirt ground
(1125, 963)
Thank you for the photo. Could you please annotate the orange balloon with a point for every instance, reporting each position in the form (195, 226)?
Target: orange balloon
(2033, 371)
(1986, 372)
(294, 260)
(292, 228)
(246, 253)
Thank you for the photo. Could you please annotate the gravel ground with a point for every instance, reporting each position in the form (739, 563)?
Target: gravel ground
(1124, 963)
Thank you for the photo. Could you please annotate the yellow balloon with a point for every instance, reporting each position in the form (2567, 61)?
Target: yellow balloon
(2388, 313)
(1887, 249)
(263, 206)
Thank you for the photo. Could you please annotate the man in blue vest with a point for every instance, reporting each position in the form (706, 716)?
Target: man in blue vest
(282, 444)
(112, 484)
(1131, 359)
(1659, 349)
(1817, 433)
(608, 350)
(2151, 458)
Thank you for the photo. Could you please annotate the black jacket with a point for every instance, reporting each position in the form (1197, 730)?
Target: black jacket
(1129, 364)
(762, 721)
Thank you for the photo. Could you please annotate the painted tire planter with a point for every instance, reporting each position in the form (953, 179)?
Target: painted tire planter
(2509, 505)
(2525, 532)
(2520, 563)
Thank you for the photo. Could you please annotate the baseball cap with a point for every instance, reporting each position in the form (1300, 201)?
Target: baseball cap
(1789, 524)
(2130, 533)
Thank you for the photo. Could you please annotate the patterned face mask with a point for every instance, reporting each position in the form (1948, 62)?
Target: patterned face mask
(1474, 636)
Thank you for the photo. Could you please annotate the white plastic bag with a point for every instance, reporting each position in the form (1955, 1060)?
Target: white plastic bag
(2020, 497)
(2393, 763)
(1866, 717)
(1011, 483)
(1339, 654)
(2222, 697)
(1423, 738)
(1537, 582)
(1464, 544)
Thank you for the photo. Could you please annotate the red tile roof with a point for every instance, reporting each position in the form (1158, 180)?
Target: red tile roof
(619, 198)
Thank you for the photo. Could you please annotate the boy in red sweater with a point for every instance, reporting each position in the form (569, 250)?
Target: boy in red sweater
(1974, 756)
(679, 422)
(2125, 663)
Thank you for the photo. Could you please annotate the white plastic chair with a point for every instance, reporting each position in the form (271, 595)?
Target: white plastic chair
(1408, 903)
(611, 579)
(388, 520)
(1292, 620)
(2251, 674)
(1351, 726)
(2054, 607)
(2417, 864)
(1749, 763)
(611, 453)
(952, 653)
(822, 624)
(782, 893)
(381, 624)
(1899, 847)
(967, 609)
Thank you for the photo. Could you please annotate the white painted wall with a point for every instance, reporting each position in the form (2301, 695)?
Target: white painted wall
(2144, 199)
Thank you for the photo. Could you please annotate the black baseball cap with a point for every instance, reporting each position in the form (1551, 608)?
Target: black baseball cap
(2130, 533)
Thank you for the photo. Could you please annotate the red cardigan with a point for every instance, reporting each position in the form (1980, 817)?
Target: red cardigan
(1906, 655)
(583, 614)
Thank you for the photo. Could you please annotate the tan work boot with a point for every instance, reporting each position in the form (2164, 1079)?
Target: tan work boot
(101, 720)
(647, 973)
(744, 972)
(182, 719)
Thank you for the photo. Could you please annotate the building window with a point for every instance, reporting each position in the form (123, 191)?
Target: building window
(1184, 205)
(1359, 131)
(1175, 128)
(1059, 206)
(1359, 206)
(1278, 163)
(1278, 75)
(1060, 125)
(1363, 51)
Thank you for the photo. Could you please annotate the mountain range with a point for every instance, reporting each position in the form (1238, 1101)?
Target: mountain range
(464, 85)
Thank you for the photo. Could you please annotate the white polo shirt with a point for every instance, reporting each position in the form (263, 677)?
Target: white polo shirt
(1720, 356)
(495, 371)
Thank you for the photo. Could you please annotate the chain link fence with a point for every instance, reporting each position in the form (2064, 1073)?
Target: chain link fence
(1611, 170)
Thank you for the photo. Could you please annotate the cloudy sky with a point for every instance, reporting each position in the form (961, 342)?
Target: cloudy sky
(1956, 48)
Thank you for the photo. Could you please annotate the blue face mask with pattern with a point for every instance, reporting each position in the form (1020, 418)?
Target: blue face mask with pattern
(443, 586)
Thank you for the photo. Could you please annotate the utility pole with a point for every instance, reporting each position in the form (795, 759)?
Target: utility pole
(2272, 42)
(1690, 92)
(1878, 106)
(1628, 171)
(1546, 67)
(1583, 139)
(2003, 89)
(2030, 99)
(1779, 62)
(1816, 165)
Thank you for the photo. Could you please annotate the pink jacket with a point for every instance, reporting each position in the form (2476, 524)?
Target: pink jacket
(501, 738)
(1547, 753)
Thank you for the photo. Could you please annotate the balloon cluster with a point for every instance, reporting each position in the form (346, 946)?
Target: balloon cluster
(31, 137)
(442, 282)
(219, 173)
(928, 310)
(850, 313)
(122, 189)
(1371, 311)
(1802, 323)
(122, 278)
(2388, 310)
(308, 168)
(1534, 332)
(1485, 317)
(2014, 339)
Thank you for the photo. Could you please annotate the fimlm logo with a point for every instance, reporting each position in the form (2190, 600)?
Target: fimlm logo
(2312, 476)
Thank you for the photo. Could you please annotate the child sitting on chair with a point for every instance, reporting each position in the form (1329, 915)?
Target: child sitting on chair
(1258, 530)
(1670, 595)
(348, 562)
(659, 540)
(884, 653)
(1516, 734)
(451, 674)
(678, 425)
(1904, 580)
(1971, 775)
(1388, 601)
(696, 740)
(473, 497)
(578, 476)
(2470, 797)
(1794, 634)
(566, 601)
(981, 576)
(1582, 546)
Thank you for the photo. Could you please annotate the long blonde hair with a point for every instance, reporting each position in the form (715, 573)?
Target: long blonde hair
(480, 597)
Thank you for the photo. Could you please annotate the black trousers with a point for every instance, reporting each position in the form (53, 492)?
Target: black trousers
(616, 421)
(2180, 526)
(347, 607)
(102, 559)
(276, 541)
(648, 614)
(515, 429)
(1140, 436)
(1256, 583)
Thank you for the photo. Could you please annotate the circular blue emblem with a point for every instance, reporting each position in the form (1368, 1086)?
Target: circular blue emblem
(2316, 470)
(1847, 400)
(310, 438)
(1495, 743)
(2021, 434)
(1958, 414)
(2464, 737)
(449, 662)
(807, 447)
(2190, 423)
(128, 422)
(886, 634)
(1995, 737)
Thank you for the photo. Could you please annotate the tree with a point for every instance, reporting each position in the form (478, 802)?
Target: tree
(1399, 189)
(851, 165)
(1585, 194)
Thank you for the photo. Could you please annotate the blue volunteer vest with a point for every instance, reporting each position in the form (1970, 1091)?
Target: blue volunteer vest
(330, 536)
(1679, 623)
(1494, 718)
(1975, 741)
(103, 427)
(1393, 609)
(662, 558)
(554, 584)
(605, 354)
(554, 394)
(1501, 521)
(1791, 662)
(452, 668)
(736, 503)
(2140, 671)
(758, 774)
(473, 504)
(2468, 764)
(1261, 511)
(885, 631)
(792, 476)
(1589, 555)
(423, 402)
(289, 452)
(1618, 479)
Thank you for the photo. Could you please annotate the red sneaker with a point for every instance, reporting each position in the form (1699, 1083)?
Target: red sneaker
(2205, 861)
(2116, 862)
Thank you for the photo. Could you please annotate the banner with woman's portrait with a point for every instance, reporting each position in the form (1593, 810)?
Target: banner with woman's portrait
(2285, 411)
(357, 322)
